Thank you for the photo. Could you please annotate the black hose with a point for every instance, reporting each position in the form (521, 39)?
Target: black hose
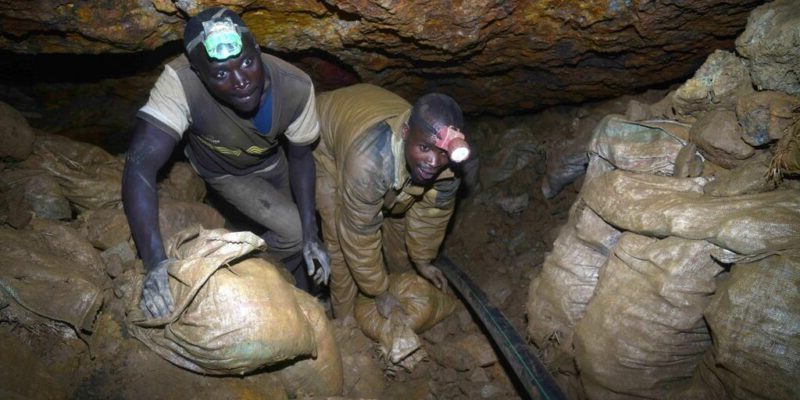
(526, 366)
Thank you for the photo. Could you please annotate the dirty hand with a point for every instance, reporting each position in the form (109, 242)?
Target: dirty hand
(313, 250)
(156, 298)
(386, 303)
(434, 275)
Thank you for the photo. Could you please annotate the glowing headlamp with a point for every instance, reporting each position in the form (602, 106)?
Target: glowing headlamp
(221, 38)
(452, 140)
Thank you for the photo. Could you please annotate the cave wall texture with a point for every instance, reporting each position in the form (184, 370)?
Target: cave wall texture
(494, 56)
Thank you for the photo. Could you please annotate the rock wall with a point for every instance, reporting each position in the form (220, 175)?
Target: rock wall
(495, 56)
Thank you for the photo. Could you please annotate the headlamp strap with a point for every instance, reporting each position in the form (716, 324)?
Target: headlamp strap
(447, 134)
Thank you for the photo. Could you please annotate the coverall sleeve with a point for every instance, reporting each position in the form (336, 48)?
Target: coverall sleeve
(359, 222)
(427, 219)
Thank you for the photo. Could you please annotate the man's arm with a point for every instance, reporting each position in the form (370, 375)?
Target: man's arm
(302, 176)
(426, 225)
(149, 150)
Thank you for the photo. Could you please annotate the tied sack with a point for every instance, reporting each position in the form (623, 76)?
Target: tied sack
(424, 305)
(232, 315)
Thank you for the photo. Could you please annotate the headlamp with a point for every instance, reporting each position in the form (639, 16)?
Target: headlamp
(452, 140)
(221, 38)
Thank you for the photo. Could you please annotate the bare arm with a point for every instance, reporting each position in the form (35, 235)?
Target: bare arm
(302, 174)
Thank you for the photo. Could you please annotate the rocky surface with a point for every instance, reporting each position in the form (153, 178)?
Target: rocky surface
(495, 56)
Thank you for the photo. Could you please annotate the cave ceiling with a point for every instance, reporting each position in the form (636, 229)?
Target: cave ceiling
(494, 56)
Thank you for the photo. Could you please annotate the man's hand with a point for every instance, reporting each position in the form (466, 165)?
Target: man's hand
(387, 303)
(434, 275)
(313, 250)
(156, 298)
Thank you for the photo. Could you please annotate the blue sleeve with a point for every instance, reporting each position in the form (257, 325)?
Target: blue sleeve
(149, 150)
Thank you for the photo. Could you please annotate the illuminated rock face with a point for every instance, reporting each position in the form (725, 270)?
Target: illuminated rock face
(496, 56)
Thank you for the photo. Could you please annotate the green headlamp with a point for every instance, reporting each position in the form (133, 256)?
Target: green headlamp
(221, 38)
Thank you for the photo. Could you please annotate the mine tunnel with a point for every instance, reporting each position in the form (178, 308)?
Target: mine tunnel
(626, 225)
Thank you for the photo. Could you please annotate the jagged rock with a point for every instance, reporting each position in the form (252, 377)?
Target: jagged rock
(771, 43)
(494, 56)
(715, 86)
(16, 136)
(765, 115)
(719, 138)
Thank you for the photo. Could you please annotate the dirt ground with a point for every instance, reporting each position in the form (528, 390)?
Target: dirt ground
(500, 233)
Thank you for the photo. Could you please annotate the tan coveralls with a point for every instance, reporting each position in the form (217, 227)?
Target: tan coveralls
(370, 208)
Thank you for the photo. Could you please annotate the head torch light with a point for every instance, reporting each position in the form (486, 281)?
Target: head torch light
(452, 140)
(221, 38)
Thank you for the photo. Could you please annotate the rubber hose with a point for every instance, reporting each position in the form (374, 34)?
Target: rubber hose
(531, 372)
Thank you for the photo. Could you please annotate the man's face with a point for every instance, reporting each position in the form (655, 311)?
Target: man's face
(237, 81)
(424, 160)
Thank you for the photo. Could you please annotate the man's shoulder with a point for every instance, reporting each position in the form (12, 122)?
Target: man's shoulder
(372, 149)
(179, 63)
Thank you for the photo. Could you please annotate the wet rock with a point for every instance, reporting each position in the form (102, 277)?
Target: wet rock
(118, 258)
(771, 43)
(450, 355)
(715, 85)
(499, 290)
(466, 323)
(719, 138)
(477, 346)
(36, 193)
(175, 216)
(489, 391)
(515, 204)
(437, 333)
(105, 228)
(478, 375)
(447, 375)
(183, 183)
(511, 55)
(16, 136)
(764, 116)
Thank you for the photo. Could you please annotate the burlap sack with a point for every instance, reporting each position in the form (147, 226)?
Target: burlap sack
(321, 375)
(665, 206)
(558, 296)
(45, 274)
(89, 176)
(649, 147)
(424, 305)
(33, 192)
(787, 153)
(754, 320)
(231, 316)
(643, 332)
